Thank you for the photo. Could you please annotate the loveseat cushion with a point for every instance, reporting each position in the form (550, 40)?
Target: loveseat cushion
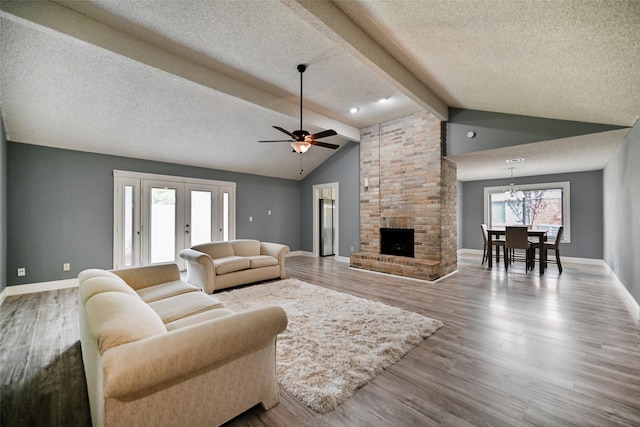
(116, 318)
(166, 290)
(230, 264)
(179, 306)
(262, 261)
(246, 247)
(98, 284)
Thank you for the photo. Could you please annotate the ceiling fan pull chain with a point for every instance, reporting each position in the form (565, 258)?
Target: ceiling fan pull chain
(301, 164)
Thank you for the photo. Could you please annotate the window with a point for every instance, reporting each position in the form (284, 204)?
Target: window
(542, 206)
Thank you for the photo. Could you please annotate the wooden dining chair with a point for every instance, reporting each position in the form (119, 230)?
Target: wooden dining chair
(518, 238)
(495, 242)
(555, 245)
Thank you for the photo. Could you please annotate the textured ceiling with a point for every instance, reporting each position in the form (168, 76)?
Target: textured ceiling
(200, 82)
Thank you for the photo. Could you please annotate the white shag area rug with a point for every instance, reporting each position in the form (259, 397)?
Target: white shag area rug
(334, 343)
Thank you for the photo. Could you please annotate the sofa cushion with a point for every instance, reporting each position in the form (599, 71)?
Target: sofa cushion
(116, 318)
(97, 284)
(166, 290)
(179, 306)
(262, 261)
(94, 272)
(198, 318)
(230, 264)
(142, 277)
(215, 249)
(246, 247)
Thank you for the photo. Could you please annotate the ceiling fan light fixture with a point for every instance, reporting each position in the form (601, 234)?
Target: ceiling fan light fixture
(300, 146)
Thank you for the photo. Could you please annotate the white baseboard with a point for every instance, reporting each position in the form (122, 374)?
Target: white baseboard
(630, 300)
(299, 253)
(40, 287)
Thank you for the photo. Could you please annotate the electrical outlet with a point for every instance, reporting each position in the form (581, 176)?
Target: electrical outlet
(351, 248)
(22, 272)
(66, 266)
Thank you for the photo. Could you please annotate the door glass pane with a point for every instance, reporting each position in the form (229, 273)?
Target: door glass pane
(200, 217)
(163, 225)
(128, 225)
(225, 216)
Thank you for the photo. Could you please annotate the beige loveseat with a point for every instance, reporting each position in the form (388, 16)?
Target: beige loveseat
(218, 265)
(160, 352)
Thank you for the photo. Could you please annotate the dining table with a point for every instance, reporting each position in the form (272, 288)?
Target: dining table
(539, 234)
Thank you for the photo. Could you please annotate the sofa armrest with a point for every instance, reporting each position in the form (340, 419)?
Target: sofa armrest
(150, 275)
(137, 366)
(200, 269)
(276, 250)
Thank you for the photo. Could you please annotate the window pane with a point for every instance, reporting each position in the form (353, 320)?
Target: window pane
(200, 217)
(128, 226)
(542, 209)
(163, 225)
(546, 210)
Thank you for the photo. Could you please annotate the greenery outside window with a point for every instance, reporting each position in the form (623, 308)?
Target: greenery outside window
(542, 206)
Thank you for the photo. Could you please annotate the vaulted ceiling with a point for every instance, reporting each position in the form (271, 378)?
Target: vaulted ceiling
(200, 82)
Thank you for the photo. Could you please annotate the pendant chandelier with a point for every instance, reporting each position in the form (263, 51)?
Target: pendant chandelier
(512, 192)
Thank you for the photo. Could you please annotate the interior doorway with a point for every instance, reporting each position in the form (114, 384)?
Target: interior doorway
(325, 219)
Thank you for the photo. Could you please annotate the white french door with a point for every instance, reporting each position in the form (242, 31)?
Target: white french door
(156, 216)
(163, 221)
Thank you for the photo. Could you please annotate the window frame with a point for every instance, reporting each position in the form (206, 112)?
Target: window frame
(139, 181)
(566, 202)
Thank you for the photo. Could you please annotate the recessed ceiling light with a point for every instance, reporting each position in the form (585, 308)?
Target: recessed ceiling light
(518, 160)
(354, 110)
(383, 100)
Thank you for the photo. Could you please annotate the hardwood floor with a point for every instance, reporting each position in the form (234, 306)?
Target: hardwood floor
(517, 349)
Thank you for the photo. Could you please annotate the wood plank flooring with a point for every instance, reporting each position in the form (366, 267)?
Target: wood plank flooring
(517, 349)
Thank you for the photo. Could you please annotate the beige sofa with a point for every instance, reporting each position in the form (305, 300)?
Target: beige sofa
(218, 265)
(158, 351)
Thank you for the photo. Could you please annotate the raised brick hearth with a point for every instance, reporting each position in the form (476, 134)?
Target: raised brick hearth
(410, 186)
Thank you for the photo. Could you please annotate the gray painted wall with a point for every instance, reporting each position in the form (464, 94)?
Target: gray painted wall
(496, 130)
(60, 208)
(3, 208)
(586, 211)
(344, 168)
(622, 212)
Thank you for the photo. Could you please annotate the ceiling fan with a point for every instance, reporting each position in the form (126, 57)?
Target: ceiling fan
(301, 140)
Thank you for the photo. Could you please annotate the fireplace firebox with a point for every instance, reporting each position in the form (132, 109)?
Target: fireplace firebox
(397, 241)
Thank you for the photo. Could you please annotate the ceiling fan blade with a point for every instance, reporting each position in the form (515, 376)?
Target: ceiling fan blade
(324, 133)
(285, 131)
(325, 145)
(278, 140)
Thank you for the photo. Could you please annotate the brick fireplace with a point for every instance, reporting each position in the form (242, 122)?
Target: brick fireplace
(410, 187)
